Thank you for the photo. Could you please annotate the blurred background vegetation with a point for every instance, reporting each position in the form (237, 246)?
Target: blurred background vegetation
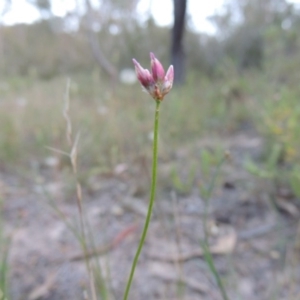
(245, 76)
(249, 34)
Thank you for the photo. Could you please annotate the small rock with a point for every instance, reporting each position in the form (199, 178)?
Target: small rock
(246, 287)
(117, 210)
(120, 168)
(51, 162)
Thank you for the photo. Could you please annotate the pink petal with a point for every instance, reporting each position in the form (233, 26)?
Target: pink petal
(158, 71)
(170, 74)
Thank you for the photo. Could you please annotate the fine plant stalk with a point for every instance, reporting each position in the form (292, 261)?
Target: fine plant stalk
(205, 244)
(210, 262)
(82, 236)
(152, 198)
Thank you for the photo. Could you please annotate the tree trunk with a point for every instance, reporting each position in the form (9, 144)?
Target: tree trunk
(177, 51)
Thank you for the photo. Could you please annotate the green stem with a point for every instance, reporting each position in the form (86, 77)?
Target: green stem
(152, 198)
(210, 261)
(205, 244)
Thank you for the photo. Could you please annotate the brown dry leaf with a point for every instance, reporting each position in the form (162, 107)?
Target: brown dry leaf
(168, 273)
(42, 291)
(287, 207)
(224, 245)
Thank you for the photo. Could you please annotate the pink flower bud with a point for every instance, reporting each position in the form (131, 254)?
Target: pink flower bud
(143, 75)
(158, 71)
(156, 83)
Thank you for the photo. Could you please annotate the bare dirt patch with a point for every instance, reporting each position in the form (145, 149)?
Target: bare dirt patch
(252, 239)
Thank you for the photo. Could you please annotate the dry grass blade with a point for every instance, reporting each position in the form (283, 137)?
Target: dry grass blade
(287, 207)
(66, 112)
(42, 291)
(92, 286)
(73, 157)
(57, 151)
(74, 152)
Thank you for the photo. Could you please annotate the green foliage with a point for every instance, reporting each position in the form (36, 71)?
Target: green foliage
(10, 146)
(294, 180)
(269, 170)
(278, 121)
(38, 50)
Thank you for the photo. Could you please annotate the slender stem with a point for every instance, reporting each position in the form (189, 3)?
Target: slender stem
(210, 261)
(152, 198)
(205, 244)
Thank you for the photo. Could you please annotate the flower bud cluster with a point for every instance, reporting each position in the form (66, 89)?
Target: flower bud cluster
(157, 83)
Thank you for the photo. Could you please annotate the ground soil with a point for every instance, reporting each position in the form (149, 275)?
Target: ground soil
(252, 227)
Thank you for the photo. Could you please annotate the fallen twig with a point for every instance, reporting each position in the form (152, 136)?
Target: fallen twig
(101, 250)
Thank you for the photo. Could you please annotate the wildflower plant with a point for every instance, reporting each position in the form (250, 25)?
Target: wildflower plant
(157, 83)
